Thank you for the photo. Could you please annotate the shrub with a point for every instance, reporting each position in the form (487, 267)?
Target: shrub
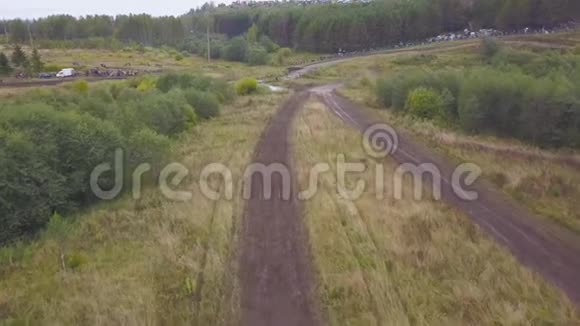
(5, 68)
(168, 114)
(52, 68)
(206, 105)
(492, 101)
(30, 190)
(415, 59)
(178, 57)
(257, 56)
(509, 56)
(76, 260)
(81, 86)
(46, 164)
(147, 146)
(268, 44)
(281, 55)
(97, 107)
(384, 90)
(393, 92)
(146, 85)
(246, 86)
(223, 91)
(489, 48)
(52, 139)
(425, 103)
(235, 49)
(184, 81)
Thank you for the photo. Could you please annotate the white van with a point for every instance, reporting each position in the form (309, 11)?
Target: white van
(68, 72)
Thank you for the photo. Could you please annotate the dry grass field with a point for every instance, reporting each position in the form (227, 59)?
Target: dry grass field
(406, 262)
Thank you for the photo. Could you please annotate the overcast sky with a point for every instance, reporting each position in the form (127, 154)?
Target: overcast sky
(40, 8)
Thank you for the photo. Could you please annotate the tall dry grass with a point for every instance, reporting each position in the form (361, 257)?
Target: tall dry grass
(407, 262)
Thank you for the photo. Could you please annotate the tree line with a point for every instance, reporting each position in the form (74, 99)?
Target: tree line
(327, 28)
(143, 29)
(320, 28)
(19, 60)
(512, 93)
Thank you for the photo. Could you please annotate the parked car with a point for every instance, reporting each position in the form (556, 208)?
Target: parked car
(46, 75)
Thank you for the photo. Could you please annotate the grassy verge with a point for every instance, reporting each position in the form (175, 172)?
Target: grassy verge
(147, 262)
(407, 262)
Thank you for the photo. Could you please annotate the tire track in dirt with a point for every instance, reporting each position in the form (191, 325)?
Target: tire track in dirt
(200, 278)
(275, 266)
(553, 252)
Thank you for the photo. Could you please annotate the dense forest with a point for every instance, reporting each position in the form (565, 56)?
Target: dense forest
(319, 28)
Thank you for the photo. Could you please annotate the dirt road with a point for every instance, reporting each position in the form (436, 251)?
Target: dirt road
(551, 251)
(275, 270)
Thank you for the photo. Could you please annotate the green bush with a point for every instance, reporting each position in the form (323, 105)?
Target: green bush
(235, 49)
(30, 190)
(81, 86)
(489, 48)
(168, 114)
(146, 85)
(425, 103)
(52, 68)
(184, 81)
(491, 101)
(281, 55)
(257, 56)
(414, 60)
(393, 92)
(147, 146)
(508, 56)
(268, 44)
(223, 91)
(206, 105)
(51, 140)
(47, 163)
(536, 101)
(384, 92)
(76, 260)
(246, 86)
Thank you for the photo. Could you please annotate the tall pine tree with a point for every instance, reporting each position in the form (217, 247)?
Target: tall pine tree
(5, 68)
(19, 58)
(35, 62)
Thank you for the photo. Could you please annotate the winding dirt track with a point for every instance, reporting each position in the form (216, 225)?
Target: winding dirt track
(275, 268)
(275, 271)
(551, 251)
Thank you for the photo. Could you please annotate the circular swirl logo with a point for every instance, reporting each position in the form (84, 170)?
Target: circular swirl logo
(380, 140)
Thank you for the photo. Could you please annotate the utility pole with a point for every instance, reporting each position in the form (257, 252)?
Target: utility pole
(5, 23)
(208, 42)
(30, 36)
